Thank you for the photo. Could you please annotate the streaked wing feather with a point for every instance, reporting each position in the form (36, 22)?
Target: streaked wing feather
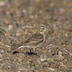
(34, 39)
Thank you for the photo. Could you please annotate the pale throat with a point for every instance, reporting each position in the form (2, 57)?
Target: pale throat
(44, 36)
(43, 33)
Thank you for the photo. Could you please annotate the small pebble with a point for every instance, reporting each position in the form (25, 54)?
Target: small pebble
(23, 68)
(60, 53)
(42, 60)
(52, 4)
(50, 60)
(10, 27)
(0, 55)
(20, 59)
(61, 64)
(8, 67)
(57, 57)
(7, 34)
(51, 69)
(2, 3)
(43, 47)
(18, 34)
(2, 51)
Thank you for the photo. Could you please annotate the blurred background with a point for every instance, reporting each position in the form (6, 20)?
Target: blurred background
(19, 20)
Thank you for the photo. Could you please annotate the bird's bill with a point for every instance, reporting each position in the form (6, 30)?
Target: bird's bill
(48, 29)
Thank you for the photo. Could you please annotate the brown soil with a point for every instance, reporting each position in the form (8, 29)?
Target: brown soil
(19, 20)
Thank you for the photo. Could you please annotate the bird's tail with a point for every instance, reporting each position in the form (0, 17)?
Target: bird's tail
(20, 47)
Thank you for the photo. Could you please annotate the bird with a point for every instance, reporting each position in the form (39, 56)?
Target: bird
(36, 40)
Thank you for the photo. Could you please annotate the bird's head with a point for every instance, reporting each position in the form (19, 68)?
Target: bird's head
(42, 29)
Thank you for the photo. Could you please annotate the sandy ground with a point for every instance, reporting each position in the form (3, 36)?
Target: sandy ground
(19, 20)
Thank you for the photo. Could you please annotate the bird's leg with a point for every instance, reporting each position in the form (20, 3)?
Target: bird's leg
(30, 50)
(34, 49)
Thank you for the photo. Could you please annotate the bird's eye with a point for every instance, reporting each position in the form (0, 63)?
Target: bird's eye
(43, 27)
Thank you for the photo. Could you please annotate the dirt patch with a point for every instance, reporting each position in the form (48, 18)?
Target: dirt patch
(19, 19)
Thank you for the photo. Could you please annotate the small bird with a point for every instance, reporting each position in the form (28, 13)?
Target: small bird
(36, 40)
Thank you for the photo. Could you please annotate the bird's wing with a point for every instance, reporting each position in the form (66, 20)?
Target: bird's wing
(34, 39)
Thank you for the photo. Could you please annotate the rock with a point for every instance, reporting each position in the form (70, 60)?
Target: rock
(2, 3)
(25, 69)
(43, 70)
(43, 47)
(2, 51)
(45, 64)
(39, 61)
(49, 10)
(46, 60)
(9, 67)
(20, 59)
(58, 58)
(1, 60)
(63, 69)
(49, 60)
(10, 27)
(31, 16)
(0, 55)
(7, 34)
(42, 60)
(6, 21)
(60, 53)
(1, 43)
(51, 70)
(61, 64)
(54, 64)
(62, 10)
(18, 34)
(52, 4)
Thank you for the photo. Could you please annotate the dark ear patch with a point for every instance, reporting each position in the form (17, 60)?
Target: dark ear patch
(43, 27)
